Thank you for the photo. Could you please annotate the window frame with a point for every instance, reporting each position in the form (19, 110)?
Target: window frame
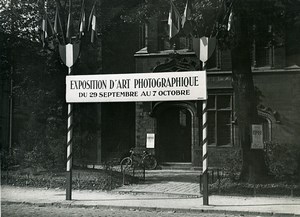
(216, 110)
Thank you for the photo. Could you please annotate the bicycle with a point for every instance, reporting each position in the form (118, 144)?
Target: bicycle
(145, 159)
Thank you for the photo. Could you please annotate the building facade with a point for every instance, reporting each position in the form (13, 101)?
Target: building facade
(178, 125)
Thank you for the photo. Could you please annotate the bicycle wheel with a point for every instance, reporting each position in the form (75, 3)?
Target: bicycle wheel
(125, 163)
(150, 162)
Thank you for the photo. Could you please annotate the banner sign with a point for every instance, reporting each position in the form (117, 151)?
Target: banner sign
(164, 86)
(257, 136)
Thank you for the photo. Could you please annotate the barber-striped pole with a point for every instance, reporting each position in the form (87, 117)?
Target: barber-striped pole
(69, 149)
(204, 151)
(69, 54)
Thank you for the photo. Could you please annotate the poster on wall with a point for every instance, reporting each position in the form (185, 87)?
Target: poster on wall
(257, 136)
(150, 140)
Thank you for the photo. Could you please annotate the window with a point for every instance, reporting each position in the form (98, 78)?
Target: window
(181, 42)
(262, 48)
(143, 34)
(262, 55)
(163, 36)
(219, 116)
(213, 62)
(266, 129)
(267, 126)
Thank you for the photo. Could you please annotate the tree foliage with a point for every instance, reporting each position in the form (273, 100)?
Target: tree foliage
(20, 18)
(38, 75)
(37, 79)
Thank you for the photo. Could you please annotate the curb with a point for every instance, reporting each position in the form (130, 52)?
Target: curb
(157, 209)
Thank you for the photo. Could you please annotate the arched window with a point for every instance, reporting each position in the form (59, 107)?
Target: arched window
(267, 117)
(267, 128)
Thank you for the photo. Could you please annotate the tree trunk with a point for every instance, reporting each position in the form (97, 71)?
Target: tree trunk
(253, 167)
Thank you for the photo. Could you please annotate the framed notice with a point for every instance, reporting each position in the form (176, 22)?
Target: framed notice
(257, 136)
(150, 140)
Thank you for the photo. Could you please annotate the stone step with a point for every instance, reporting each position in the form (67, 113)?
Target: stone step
(177, 166)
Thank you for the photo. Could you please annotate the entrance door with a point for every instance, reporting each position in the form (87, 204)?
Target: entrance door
(174, 135)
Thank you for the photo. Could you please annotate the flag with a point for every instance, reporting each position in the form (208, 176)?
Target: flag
(225, 16)
(174, 21)
(69, 23)
(57, 28)
(186, 22)
(82, 20)
(47, 30)
(229, 23)
(92, 23)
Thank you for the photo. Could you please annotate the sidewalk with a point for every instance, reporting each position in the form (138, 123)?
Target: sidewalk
(277, 206)
(174, 182)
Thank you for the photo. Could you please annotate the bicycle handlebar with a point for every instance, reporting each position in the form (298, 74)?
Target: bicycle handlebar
(131, 151)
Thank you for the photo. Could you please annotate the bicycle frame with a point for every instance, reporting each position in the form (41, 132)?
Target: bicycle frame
(143, 159)
(138, 158)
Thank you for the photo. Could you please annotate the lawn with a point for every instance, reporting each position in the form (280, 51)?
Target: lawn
(82, 178)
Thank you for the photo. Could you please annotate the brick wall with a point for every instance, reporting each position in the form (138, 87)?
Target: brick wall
(281, 93)
(279, 57)
(225, 60)
(151, 37)
(144, 124)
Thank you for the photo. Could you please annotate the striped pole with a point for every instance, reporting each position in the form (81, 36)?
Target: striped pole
(204, 151)
(69, 148)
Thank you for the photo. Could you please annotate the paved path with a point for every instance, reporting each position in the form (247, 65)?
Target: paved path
(281, 206)
(176, 188)
(177, 182)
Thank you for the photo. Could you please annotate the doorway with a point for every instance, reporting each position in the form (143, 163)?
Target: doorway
(174, 125)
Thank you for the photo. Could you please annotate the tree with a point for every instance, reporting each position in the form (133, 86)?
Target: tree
(36, 75)
(253, 166)
(39, 73)
(260, 21)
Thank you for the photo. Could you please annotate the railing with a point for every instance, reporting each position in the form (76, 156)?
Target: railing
(133, 174)
(214, 176)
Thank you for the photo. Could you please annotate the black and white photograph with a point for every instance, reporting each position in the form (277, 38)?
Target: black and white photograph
(146, 108)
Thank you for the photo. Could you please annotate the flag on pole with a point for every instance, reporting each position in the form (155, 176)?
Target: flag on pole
(225, 16)
(82, 20)
(47, 30)
(229, 23)
(186, 22)
(174, 21)
(57, 28)
(57, 22)
(92, 23)
(69, 23)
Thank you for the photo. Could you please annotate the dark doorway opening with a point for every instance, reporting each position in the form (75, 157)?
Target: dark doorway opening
(174, 135)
